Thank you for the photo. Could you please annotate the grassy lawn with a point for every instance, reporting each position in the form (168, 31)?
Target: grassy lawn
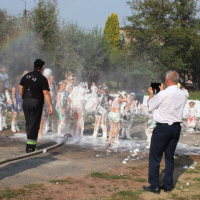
(194, 95)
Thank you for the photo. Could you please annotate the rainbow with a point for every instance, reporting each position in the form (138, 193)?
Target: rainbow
(14, 40)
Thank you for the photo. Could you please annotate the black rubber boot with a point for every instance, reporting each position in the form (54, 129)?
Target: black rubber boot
(30, 148)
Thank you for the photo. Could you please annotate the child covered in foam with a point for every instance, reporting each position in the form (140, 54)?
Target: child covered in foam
(128, 116)
(16, 105)
(4, 99)
(192, 115)
(61, 107)
(78, 99)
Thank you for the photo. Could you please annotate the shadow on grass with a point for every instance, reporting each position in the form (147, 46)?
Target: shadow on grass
(179, 163)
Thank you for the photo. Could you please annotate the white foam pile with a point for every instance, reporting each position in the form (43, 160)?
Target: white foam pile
(134, 146)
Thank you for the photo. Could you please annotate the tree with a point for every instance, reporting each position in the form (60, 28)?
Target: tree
(164, 33)
(46, 24)
(70, 48)
(111, 31)
(84, 52)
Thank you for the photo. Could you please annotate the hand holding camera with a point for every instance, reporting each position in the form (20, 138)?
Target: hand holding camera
(155, 88)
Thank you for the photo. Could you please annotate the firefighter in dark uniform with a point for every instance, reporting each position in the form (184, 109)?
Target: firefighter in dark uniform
(34, 88)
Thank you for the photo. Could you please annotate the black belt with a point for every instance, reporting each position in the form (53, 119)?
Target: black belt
(157, 123)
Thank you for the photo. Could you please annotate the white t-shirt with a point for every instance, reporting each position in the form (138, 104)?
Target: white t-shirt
(168, 105)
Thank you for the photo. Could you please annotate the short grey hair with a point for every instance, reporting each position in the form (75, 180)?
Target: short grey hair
(172, 76)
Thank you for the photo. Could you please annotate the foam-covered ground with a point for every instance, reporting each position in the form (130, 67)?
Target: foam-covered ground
(136, 147)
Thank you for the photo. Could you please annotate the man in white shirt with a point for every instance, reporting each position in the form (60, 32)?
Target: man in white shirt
(167, 107)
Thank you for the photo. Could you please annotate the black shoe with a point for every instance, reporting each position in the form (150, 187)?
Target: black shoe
(30, 148)
(151, 189)
(163, 187)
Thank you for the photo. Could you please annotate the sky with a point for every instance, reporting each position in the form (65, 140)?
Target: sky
(86, 13)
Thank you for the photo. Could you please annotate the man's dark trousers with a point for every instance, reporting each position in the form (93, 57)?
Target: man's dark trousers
(32, 111)
(164, 140)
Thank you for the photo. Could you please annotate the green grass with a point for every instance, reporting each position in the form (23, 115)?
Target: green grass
(195, 95)
(128, 194)
(192, 172)
(100, 175)
(197, 184)
(108, 176)
(176, 197)
(62, 181)
(195, 197)
(33, 186)
(91, 186)
(134, 174)
(109, 190)
(140, 180)
(115, 188)
(119, 177)
(93, 192)
(196, 179)
(187, 179)
(133, 168)
(12, 193)
(197, 168)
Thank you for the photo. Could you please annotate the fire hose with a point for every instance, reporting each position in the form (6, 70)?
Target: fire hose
(35, 152)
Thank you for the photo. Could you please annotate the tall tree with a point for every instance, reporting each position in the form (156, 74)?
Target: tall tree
(46, 25)
(84, 52)
(164, 32)
(111, 31)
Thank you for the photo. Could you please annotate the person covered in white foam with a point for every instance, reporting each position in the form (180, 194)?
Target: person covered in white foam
(128, 116)
(6, 82)
(94, 90)
(70, 84)
(61, 108)
(114, 116)
(151, 124)
(53, 93)
(92, 99)
(44, 124)
(78, 98)
(16, 105)
(192, 115)
(3, 102)
(101, 112)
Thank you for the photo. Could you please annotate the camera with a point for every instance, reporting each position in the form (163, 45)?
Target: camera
(155, 87)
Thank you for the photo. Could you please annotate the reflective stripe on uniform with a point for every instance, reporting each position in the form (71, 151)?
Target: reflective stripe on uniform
(32, 142)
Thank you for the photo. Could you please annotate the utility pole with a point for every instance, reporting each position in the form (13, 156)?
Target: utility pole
(25, 12)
